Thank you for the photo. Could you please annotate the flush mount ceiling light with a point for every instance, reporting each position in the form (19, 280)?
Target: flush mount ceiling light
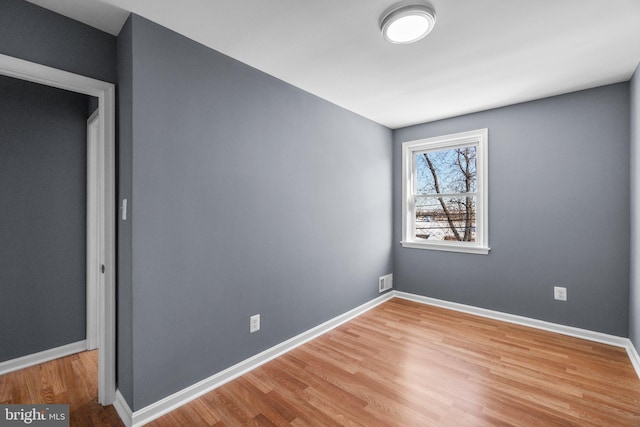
(407, 23)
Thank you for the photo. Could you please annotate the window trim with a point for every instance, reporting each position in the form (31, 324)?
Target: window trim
(479, 138)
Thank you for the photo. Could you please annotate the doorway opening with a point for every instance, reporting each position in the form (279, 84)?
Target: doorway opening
(101, 248)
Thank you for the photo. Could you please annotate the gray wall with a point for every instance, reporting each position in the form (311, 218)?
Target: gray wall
(634, 300)
(558, 213)
(38, 35)
(248, 196)
(42, 225)
(124, 296)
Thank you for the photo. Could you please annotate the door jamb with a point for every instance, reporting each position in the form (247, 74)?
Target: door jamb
(105, 92)
(95, 178)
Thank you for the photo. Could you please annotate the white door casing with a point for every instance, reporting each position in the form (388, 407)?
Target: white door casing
(105, 92)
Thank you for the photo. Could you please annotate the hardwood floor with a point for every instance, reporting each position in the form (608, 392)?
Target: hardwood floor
(400, 364)
(71, 380)
(408, 364)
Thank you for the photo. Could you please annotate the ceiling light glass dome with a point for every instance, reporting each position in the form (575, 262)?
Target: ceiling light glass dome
(406, 24)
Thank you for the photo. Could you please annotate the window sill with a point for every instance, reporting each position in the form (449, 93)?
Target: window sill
(447, 247)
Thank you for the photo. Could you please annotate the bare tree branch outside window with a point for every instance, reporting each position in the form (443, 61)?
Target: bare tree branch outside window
(446, 194)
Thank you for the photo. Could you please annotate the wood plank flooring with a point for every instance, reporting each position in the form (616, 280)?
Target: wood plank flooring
(71, 380)
(400, 364)
(408, 364)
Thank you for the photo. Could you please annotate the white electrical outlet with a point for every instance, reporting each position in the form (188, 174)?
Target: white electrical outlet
(560, 293)
(254, 323)
(385, 283)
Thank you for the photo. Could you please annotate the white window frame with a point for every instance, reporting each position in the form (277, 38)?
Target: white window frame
(478, 138)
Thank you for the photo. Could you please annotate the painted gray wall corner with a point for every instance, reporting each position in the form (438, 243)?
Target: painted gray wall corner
(558, 213)
(42, 220)
(634, 280)
(124, 348)
(250, 196)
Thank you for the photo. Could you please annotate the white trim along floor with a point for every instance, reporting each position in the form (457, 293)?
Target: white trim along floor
(41, 357)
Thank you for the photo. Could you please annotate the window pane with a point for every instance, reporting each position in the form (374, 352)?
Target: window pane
(446, 171)
(455, 221)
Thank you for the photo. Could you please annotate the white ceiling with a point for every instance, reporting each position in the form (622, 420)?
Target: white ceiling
(481, 54)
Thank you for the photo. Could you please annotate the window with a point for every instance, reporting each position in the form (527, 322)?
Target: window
(444, 193)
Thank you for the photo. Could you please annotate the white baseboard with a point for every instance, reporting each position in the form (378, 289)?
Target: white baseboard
(633, 356)
(41, 357)
(519, 320)
(123, 409)
(533, 323)
(169, 403)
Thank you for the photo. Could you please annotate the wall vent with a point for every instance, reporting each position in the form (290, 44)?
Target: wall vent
(385, 283)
